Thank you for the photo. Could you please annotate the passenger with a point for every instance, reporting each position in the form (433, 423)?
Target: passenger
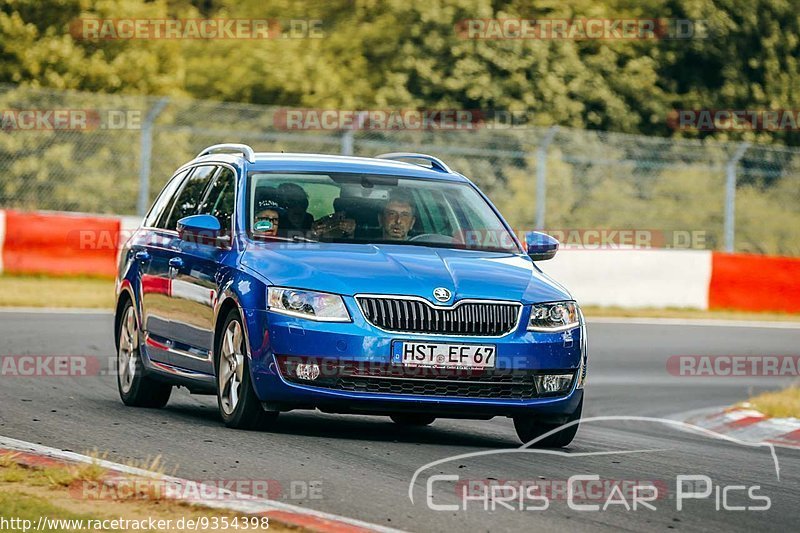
(295, 200)
(397, 217)
(267, 219)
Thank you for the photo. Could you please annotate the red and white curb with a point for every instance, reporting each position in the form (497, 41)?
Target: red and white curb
(35, 455)
(747, 425)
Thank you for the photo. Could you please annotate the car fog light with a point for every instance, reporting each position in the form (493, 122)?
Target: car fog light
(307, 371)
(553, 383)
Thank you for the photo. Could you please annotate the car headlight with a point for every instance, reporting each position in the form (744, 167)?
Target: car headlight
(556, 316)
(320, 306)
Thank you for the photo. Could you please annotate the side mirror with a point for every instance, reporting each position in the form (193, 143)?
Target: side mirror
(202, 229)
(541, 246)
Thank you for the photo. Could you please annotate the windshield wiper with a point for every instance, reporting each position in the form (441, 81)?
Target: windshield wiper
(298, 238)
(294, 238)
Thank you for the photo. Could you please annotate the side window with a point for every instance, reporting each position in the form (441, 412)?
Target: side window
(221, 199)
(164, 200)
(434, 213)
(188, 200)
(470, 217)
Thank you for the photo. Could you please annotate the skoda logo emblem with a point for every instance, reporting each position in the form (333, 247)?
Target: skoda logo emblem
(441, 294)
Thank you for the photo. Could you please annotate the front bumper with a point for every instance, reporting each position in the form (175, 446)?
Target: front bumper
(274, 337)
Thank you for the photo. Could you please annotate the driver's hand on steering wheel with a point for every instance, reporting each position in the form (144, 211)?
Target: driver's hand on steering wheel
(335, 225)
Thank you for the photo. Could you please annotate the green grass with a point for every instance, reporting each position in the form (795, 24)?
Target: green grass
(43, 291)
(17, 504)
(779, 404)
(30, 493)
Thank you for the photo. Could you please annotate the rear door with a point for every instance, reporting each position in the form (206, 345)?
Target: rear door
(164, 263)
(150, 252)
(195, 288)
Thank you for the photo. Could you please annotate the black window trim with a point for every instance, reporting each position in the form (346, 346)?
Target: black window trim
(175, 176)
(214, 172)
(210, 186)
(190, 168)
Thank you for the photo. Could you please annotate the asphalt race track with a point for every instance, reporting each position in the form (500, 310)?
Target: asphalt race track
(361, 466)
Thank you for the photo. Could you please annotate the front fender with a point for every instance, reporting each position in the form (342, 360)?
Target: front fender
(249, 296)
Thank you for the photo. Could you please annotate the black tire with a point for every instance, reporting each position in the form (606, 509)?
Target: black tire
(412, 419)
(529, 428)
(247, 412)
(136, 389)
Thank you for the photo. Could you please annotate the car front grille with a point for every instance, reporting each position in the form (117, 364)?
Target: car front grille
(393, 379)
(411, 315)
(516, 390)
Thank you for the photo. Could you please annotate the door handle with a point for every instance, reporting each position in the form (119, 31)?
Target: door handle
(142, 256)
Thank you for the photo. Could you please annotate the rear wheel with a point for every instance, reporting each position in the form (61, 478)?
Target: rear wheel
(411, 419)
(529, 428)
(135, 388)
(239, 406)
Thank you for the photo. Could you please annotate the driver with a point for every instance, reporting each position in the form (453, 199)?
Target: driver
(397, 217)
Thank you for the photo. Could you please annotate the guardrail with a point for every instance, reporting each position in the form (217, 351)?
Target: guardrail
(80, 244)
(694, 279)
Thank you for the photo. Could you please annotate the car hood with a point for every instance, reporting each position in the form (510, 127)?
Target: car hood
(402, 269)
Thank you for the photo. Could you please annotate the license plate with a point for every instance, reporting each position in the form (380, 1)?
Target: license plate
(436, 355)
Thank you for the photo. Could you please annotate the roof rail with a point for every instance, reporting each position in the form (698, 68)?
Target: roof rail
(436, 163)
(228, 148)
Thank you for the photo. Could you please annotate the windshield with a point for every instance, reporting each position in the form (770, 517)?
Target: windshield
(376, 209)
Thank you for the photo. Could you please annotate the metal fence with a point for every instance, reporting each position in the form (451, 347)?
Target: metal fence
(739, 197)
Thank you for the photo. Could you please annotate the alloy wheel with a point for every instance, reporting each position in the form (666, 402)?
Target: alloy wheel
(128, 350)
(231, 367)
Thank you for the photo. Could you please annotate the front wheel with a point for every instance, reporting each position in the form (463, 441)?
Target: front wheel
(529, 428)
(239, 406)
(135, 388)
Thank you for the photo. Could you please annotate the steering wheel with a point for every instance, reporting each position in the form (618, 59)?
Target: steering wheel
(335, 225)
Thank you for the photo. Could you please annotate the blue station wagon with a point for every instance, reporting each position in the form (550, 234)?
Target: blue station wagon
(385, 286)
